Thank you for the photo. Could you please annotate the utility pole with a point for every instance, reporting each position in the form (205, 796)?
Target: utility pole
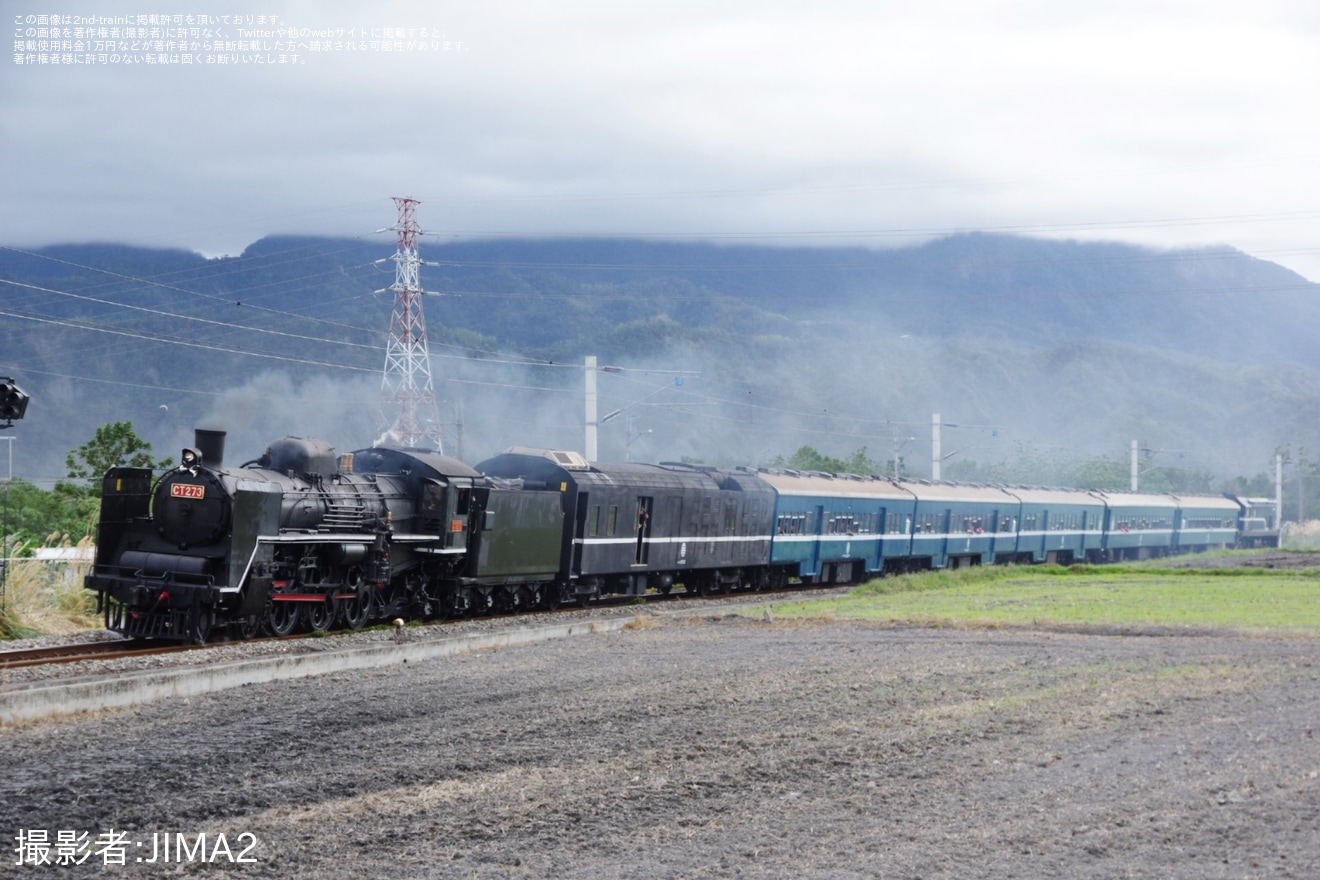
(592, 425)
(4, 531)
(408, 413)
(936, 456)
(591, 368)
(1278, 494)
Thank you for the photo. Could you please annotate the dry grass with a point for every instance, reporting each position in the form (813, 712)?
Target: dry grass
(1301, 536)
(48, 597)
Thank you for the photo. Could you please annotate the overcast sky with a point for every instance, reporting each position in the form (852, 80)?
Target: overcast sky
(1163, 122)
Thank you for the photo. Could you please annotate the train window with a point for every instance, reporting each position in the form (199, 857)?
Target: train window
(593, 522)
(730, 518)
(612, 525)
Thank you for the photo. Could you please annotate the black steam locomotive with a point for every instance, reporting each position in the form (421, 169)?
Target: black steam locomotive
(300, 540)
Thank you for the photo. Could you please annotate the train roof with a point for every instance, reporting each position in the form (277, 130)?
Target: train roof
(1119, 498)
(553, 465)
(420, 462)
(815, 483)
(929, 490)
(1054, 495)
(1212, 502)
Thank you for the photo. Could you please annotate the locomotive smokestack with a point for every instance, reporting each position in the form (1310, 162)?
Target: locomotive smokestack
(211, 444)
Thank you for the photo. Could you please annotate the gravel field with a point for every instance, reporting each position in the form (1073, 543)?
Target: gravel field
(221, 651)
(709, 746)
(713, 747)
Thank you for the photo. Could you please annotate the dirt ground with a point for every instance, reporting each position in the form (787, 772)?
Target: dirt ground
(1275, 559)
(717, 747)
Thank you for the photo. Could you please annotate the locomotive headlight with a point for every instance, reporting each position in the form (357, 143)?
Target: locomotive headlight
(190, 457)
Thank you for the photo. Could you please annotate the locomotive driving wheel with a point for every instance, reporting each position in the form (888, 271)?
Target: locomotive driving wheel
(356, 611)
(281, 618)
(319, 616)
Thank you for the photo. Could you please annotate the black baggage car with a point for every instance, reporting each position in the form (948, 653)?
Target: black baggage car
(630, 528)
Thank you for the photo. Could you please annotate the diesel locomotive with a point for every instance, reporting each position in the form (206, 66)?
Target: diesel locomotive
(302, 539)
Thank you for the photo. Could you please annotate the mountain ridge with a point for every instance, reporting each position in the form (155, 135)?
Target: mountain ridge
(838, 347)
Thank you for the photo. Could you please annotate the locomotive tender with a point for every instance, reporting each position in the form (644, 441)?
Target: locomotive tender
(301, 540)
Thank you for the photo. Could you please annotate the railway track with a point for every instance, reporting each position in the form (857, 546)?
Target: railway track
(20, 657)
(127, 648)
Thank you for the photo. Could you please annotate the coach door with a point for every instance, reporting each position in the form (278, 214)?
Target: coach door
(817, 526)
(580, 530)
(642, 529)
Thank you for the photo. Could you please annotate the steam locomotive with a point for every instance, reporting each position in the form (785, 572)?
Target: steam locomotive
(300, 539)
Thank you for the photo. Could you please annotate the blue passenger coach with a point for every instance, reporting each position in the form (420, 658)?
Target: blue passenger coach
(1205, 522)
(1058, 526)
(836, 528)
(956, 525)
(1137, 525)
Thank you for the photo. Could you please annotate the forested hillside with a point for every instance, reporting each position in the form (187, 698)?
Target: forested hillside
(1025, 347)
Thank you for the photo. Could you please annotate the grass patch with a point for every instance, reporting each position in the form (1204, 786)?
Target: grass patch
(1113, 596)
(47, 597)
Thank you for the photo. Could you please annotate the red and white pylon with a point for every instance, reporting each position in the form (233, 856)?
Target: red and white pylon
(408, 413)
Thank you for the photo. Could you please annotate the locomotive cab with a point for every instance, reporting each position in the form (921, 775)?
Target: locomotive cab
(444, 509)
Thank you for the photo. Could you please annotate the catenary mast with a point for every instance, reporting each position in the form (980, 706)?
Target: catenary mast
(408, 413)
